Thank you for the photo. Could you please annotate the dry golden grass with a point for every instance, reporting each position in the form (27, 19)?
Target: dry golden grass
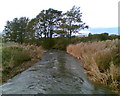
(101, 60)
(35, 52)
(18, 58)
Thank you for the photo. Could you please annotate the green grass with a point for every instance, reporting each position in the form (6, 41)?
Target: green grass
(13, 56)
(17, 58)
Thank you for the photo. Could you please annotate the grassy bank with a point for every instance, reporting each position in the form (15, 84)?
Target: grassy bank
(101, 60)
(17, 58)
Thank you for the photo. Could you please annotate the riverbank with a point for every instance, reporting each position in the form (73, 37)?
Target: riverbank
(101, 60)
(17, 58)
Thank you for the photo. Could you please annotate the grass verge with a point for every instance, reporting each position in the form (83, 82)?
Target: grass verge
(17, 58)
(101, 60)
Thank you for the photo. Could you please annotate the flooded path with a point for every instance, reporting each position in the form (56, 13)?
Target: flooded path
(56, 73)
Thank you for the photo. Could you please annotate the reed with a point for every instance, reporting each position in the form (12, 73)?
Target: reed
(101, 60)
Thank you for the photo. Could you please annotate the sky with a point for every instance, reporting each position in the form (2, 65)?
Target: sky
(96, 13)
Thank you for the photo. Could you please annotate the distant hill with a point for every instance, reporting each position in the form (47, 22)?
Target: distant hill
(113, 30)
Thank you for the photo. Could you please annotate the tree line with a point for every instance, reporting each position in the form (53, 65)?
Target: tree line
(47, 24)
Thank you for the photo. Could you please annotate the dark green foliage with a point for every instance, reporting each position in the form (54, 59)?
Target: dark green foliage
(50, 23)
(46, 24)
(61, 43)
(73, 21)
(15, 30)
(30, 31)
(97, 37)
(48, 43)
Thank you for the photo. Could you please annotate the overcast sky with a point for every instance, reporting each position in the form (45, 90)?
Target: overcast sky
(96, 13)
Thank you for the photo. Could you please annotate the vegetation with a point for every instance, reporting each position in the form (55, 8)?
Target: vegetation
(15, 30)
(62, 42)
(16, 58)
(101, 60)
(47, 24)
(54, 29)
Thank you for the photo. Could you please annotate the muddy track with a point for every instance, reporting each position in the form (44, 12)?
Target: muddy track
(56, 73)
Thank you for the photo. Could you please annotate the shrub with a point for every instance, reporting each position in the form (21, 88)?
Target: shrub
(13, 56)
(61, 43)
(48, 43)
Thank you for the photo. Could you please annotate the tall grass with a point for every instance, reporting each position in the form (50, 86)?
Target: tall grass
(101, 60)
(16, 58)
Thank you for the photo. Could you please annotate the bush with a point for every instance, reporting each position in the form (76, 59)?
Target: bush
(61, 43)
(48, 43)
(13, 56)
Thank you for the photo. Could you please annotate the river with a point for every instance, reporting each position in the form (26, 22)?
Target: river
(56, 73)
